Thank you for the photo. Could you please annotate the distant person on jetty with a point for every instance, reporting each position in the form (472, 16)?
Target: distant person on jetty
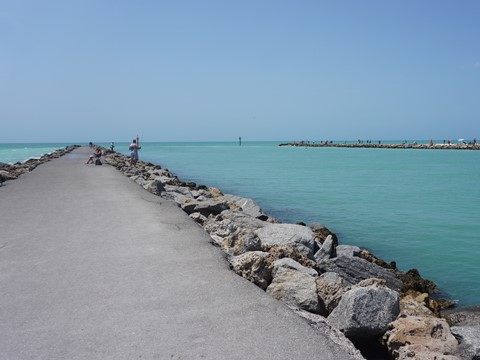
(112, 146)
(134, 152)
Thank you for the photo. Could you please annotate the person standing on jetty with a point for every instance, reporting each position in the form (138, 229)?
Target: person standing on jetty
(134, 147)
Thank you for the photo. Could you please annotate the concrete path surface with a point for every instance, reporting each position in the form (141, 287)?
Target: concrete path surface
(94, 267)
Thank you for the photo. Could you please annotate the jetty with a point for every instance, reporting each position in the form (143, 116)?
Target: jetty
(92, 266)
(362, 145)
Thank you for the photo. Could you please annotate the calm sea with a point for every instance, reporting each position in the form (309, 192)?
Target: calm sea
(419, 208)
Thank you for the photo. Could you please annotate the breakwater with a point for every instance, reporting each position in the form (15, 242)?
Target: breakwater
(308, 268)
(362, 145)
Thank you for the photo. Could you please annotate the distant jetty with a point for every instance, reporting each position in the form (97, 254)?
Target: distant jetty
(451, 146)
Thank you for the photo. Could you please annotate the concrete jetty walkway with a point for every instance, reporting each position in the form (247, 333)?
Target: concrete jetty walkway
(94, 267)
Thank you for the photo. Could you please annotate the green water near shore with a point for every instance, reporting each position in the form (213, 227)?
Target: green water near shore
(419, 208)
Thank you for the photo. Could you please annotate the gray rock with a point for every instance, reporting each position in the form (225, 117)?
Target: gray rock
(469, 339)
(179, 194)
(140, 180)
(195, 193)
(179, 190)
(217, 240)
(355, 269)
(198, 218)
(205, 208)
(166, 178)
(348, 250)
(241, 241)
(297, 236)
(151, 186)
(321, 324)
(326, 251)
(253, 266)
(159, 187)
(6, 175)
(365, 312)
(221, 228)
(330, 288)
(291, 264)
(248, 206)
(243, 220)
(295, 288)
(463, 316)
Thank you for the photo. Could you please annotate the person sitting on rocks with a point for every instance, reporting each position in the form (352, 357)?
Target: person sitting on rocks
(96, 155)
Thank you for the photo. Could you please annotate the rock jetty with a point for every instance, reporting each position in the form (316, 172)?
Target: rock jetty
(356, 299)
(370, 145)
(339, 289)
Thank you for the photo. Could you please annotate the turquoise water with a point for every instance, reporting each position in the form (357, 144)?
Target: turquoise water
(11, 153)
(419, 208)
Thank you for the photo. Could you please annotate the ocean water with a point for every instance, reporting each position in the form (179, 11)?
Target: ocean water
(419, 208)
(11, 153)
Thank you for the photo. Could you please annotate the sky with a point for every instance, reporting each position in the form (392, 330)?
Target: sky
(207, 70)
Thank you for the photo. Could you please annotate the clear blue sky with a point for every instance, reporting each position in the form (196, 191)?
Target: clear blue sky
(179, 70)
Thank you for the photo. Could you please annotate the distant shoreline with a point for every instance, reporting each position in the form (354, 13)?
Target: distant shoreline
(385, 146)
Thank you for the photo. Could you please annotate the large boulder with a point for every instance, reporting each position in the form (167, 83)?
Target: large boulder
(206, 208)
(364, 313)
(355, 269)
(6, 175)
(321, 324)
(330, 288)
(242, 219)
(294, 287)
(240, 241)
(421, 337)
(253, 266)
(290, 264)
(248, 206)
(153, 186)
(416, 332)
(179, 194)
(326, 251)
(297, 236)
(348, 250)
(222, 228)
(469, 340)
